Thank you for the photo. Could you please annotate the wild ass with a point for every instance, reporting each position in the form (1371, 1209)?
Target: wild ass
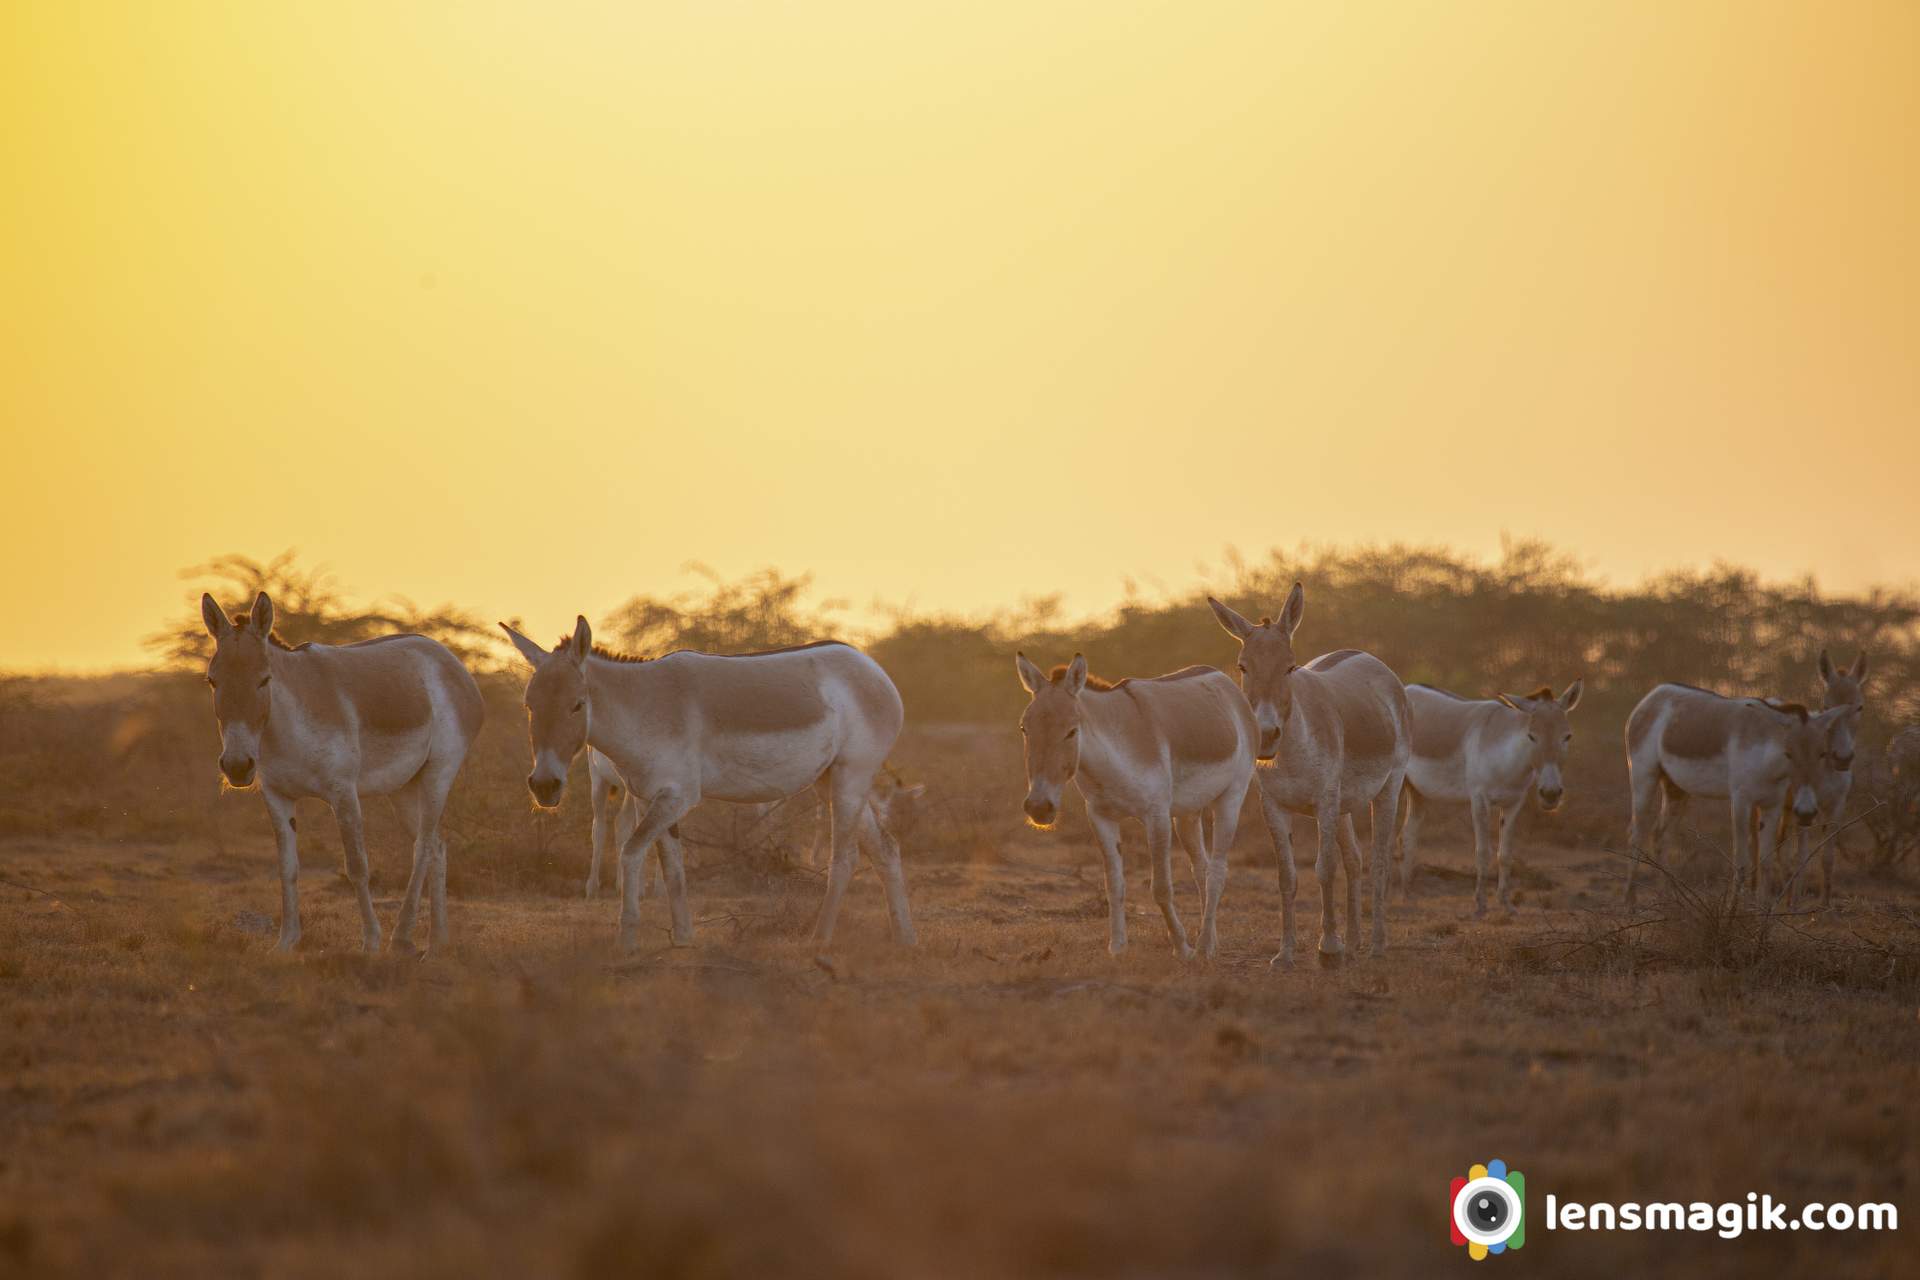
(1841, 690)
(390, 716)
(1173, 751)
(1334, 740)
(1764, 757)
(1489, 754)
(688, 726)
(616, 813)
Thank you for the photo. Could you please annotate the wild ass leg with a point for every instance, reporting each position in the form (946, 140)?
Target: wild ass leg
(280, 809)
(1483, 819)
(607, 802)
(1386, 810)
(1194, 842)
(1326, 865)
(1746, 857)
(1160, 842)
(353, 837)
(409, 802)
(1353, 865)
(848, 789)
(1221, 825)
(884, 853)
(1644, 784)
(1412, 808)
(1107, 832)
(1280, 828)
(1509, 819)
(663, 811)
(1829, 839)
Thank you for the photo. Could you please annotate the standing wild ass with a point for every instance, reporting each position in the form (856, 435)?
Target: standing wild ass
(1488, 754)
(1841, 690)
(389, 716)
(616, 813)
(1762, 756)
(1174, 751)
(1334, 739)
(688, 726)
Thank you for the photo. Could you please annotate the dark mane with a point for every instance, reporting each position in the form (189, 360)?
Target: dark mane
(1100, 683)
(244, 622)
(600, 651)
(1445, 693)
(1795, 709)
(1103, 685)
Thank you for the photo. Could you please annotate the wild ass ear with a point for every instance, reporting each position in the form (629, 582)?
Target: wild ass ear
(1571, 698)
(1236, 626)
(915, 791)
(1826, 667)
(210, 613)
(1292, 611)
(1076, 678)
(1859, 671)
(1032, 678)
(262, 614)
(582, 643)
(532, 652)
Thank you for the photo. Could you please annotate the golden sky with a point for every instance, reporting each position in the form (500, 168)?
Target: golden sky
(523, 306)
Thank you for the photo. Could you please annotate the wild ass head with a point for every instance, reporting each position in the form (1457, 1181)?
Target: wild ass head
(559, 710)
(1266, 665)
(1808, 741)
(1050, 727)
(1844, 691)
(1548, 736)
(242, 683)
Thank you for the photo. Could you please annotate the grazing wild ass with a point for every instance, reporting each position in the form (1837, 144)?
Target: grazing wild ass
(1173, 751)
(1490, 755)
(616, 813)
(389, 716)
(1764, 757)
(688, 726)
(1334, 740)
(1840, 690)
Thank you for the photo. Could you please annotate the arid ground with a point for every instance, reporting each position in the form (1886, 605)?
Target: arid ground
(1006, 1099)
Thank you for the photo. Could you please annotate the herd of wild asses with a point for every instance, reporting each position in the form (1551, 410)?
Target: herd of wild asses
(1326, 739)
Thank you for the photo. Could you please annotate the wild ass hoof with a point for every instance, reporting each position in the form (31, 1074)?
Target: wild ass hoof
(1332, 951)
(1116, 946)
(1281, 959)
(593, 890)
(370, 942)
(286, 943)
(1379, 942)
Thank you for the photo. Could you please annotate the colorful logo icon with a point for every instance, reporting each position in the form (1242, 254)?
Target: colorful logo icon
(1490, 1209)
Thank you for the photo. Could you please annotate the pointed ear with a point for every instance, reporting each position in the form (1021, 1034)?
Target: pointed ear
(1571, 698)
(1859, 671)
(915, 791)
(582, 644)
(1076, 675)
(210, 613)
(1236, 626)
(532, 652)
(1509, 700)
(1826, 667)
(262, 614)
(1032, 678)
(1294, 609)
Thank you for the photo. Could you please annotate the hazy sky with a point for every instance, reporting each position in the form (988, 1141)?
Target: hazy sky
(524, 306)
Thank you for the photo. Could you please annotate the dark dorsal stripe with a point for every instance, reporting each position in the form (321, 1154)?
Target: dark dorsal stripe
(611, 655)
(1103, 685)
(1328, 661)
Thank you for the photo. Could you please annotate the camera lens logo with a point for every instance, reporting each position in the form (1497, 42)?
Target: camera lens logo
(1490, 1209)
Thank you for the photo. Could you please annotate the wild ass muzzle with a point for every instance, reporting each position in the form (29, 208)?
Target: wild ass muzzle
(1765, 758)
(1489, 754)
(752, 728)
(393, 716)
(1174, 752)
(1334, 740)
(616, 813)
